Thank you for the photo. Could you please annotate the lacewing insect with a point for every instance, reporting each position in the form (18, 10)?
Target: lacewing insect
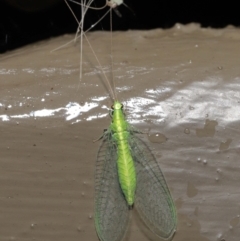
(128, 175)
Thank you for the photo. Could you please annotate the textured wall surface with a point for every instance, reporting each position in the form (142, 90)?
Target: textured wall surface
(181, 85)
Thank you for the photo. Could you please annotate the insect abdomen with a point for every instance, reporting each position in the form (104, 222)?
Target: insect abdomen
(126, 168)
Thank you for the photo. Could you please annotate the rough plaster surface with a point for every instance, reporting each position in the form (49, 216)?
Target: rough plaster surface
(181, 85)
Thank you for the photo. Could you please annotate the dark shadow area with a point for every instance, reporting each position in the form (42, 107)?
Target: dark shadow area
(23, 24)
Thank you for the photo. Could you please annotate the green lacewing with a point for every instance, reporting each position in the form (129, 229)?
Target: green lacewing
(128, 175)
(152, 197)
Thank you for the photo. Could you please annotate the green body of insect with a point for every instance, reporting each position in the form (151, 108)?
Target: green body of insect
(126, 173)
(126, 168)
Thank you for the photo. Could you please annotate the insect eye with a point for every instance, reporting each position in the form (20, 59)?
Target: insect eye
(121, 106)
(112, 107)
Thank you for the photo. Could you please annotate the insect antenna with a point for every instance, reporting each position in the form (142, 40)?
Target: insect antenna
(111, 55)
(111, 90)
(80, 33)
(84, 7)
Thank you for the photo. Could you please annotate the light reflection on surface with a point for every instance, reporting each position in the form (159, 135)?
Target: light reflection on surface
(135, 109)
(70, 111)
(198, 99)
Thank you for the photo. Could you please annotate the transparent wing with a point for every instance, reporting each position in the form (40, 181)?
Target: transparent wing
(153, 199)
(111, 209)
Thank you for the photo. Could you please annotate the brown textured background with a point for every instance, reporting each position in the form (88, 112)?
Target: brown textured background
(181, 84)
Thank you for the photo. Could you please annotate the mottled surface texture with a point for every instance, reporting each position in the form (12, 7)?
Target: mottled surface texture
(182, 85)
